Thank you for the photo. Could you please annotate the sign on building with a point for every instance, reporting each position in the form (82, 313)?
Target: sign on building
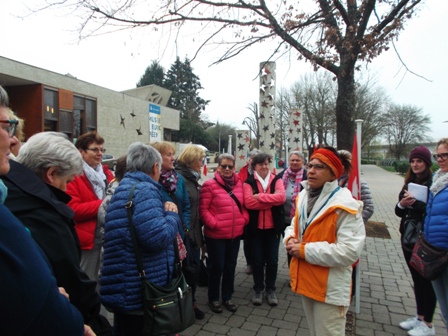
(155, 126)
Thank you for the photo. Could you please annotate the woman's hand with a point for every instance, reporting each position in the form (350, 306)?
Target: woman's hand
(292, 246)
(407, 201)
(170, 206)
(63, 292)
(88, 331)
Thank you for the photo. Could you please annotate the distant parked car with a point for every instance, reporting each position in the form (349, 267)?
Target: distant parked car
(110, 161)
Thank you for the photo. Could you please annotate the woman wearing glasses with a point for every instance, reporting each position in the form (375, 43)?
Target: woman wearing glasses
(264, 196)
(325, 238)
(436, 221)
(222, 211)
(88, 191)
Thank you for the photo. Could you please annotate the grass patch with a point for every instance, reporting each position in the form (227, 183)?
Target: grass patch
(389, 168)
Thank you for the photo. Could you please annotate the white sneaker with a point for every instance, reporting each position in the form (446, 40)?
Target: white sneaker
(422, 329)
(410, 323)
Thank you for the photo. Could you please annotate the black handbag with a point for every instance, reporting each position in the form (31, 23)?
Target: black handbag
(411, 233)
(168, 309)
(428, 260)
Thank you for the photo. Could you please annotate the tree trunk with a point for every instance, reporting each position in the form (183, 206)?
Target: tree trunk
(345, 107)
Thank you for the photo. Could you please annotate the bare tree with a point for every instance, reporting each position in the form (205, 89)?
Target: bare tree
(283, 105)
(316, 97)
(331, 34)
(370, 104)
(405, 126)
(253, 122)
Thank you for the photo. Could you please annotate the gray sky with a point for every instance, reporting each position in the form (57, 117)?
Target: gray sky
(116, 61)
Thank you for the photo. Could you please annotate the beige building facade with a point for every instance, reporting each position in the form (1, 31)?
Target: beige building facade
(51, 101)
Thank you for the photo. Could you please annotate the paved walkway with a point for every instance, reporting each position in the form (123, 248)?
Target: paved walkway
(386, 288)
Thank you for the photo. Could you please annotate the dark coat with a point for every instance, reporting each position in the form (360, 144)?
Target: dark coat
(193, 190)
(30, 300)
(43, 210)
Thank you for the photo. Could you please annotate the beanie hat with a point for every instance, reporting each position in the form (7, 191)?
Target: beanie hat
(421, 152)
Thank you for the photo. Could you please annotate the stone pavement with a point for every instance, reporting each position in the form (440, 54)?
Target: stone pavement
(386, 288)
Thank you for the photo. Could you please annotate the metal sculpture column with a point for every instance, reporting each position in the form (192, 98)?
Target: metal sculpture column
(242, 148)
(295, 131)
(267, 108)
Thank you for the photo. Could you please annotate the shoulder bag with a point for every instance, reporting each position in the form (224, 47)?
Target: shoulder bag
(168, 309)
(428, 260)
(411, 233)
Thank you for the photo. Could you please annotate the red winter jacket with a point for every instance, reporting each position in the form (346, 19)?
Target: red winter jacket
(265, 201)
(85, 204)
(219, 212)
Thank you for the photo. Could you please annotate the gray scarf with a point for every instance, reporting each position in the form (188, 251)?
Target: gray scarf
(97, 178)
(439, 181)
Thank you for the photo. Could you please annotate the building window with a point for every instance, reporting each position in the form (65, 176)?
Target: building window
(84, 115)
(66, 122)
(50, 106)
(90, 115)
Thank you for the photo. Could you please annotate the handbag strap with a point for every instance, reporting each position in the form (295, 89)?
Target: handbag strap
(130, 212)
(231, 194)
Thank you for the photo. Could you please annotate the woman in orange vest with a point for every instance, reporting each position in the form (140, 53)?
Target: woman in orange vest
(325, 238)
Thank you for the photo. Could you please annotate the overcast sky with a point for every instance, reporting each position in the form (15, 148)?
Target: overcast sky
(49, 40)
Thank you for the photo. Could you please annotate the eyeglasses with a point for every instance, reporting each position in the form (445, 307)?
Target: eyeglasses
(442, 156)
(227, 166)
(96, 150)
(11, 129)
(316, 166)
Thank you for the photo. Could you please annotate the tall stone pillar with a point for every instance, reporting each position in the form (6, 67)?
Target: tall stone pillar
(267, 108)
(242, 148)
(295, 135)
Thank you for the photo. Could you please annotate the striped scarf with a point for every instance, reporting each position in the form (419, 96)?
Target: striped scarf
(298, 176)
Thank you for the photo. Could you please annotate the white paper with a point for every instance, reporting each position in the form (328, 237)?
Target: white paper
(419, 192)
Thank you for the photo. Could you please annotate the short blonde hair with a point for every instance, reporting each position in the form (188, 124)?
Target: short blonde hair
(443, 141)
(190, 154)
(163, 146)
(19, 131)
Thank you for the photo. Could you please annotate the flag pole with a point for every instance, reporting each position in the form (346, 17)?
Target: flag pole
(358, 266)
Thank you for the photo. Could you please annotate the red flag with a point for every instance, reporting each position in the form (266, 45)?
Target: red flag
(354, 183)
(205, 167)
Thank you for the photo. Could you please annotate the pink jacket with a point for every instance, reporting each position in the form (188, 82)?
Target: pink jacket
(219, 212)
(265, 201)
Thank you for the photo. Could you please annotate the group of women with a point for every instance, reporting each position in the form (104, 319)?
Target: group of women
(432, 216)
(324, 233)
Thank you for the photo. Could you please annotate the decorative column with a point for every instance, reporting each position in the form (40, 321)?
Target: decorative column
(267, 108)
(242, 148)
(295, 131)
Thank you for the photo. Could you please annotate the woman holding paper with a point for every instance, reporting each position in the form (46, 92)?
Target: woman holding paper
(411, 211)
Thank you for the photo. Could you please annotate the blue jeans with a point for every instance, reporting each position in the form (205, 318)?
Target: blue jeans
(265, 257)
(440, 286)
(222, 256)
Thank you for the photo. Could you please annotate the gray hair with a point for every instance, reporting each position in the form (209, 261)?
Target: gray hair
(142, 158)
(4, 99)
(226, 156)
(299, 154)
(50, 149)
(254, 152)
